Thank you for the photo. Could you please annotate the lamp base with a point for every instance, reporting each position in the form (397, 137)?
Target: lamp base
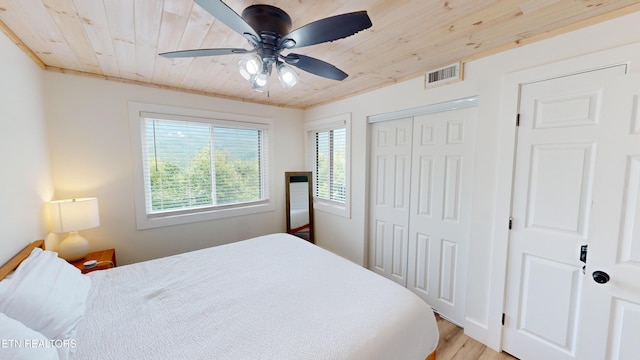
(74, 247)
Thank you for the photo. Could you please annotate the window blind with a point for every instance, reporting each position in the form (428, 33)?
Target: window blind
(193, 165)
(330, 181)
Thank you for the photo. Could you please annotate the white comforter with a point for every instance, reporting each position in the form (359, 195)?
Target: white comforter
(271, 297)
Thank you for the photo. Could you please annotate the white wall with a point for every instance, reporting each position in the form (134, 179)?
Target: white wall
(25, 182)
(91, 156)
(485, 77)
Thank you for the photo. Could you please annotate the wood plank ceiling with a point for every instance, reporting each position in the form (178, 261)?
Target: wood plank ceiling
(120, 39)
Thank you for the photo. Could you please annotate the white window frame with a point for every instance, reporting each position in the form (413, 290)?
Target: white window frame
(148, 221)
(326, 124)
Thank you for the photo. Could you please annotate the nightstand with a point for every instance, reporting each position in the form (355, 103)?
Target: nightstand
(106, 259)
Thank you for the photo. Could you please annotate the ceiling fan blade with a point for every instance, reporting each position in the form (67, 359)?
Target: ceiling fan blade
(315, 66)
(203, 52)
(227, 16)
(327, 29)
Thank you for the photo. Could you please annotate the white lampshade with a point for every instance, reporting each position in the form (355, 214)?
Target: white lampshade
(249, 66)
(71, 216)
(288, 77)
(261, 82)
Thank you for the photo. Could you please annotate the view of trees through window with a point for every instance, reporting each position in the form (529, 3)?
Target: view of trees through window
(183, 172)
(331, 165)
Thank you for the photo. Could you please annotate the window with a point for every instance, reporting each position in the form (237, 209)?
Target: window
(194, 168)
(328, 141)
(330, 164)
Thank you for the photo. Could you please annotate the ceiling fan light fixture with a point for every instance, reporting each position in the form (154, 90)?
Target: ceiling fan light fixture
(249, 66)
(287, 75)
(261, 82)
(268, 30)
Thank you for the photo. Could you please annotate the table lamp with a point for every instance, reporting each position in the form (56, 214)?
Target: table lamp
(71, 216)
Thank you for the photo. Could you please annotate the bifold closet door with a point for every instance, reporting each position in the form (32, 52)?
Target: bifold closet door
(390, 170)
(420, 204)
(440, 210)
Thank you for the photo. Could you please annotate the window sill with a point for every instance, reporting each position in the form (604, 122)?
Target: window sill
(144, 221)
(332, 207)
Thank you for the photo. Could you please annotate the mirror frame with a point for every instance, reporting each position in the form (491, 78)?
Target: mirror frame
(289, 175)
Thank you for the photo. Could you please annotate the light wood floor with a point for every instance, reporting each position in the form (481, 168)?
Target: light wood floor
(454, 344)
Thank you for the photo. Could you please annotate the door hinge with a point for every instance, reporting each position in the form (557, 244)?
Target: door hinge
(510, 223)
(518, 119)
(503, 316)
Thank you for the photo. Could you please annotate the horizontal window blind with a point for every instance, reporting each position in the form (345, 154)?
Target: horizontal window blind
(330, 160)
(193, 165)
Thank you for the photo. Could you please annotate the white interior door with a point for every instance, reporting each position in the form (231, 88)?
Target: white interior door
(611, 310)
(559, 139)
(389, 200)
(439, 222)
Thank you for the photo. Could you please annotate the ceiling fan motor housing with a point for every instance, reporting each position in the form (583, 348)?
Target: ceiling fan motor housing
(267, 19)
(271, 23)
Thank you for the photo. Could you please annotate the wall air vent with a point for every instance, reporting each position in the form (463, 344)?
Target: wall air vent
(443, 75)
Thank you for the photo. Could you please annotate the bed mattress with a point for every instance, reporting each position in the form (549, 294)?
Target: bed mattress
(270, 297)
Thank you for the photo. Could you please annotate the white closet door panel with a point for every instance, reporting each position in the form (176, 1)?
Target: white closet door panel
(439, 219)
(425, 185)
(452, 188)
(421, 272)
(389, 209)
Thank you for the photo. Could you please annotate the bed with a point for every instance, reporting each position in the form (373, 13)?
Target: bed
(270, 297)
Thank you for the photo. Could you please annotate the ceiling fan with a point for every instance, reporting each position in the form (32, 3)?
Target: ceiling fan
(267, 28)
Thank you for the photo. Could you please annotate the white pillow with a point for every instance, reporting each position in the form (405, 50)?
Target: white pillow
(47, 294)
(18, 342)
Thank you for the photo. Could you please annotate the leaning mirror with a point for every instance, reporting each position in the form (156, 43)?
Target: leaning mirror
(299, 204)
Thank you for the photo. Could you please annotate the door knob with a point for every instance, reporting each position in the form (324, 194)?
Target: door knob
(600, 277)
